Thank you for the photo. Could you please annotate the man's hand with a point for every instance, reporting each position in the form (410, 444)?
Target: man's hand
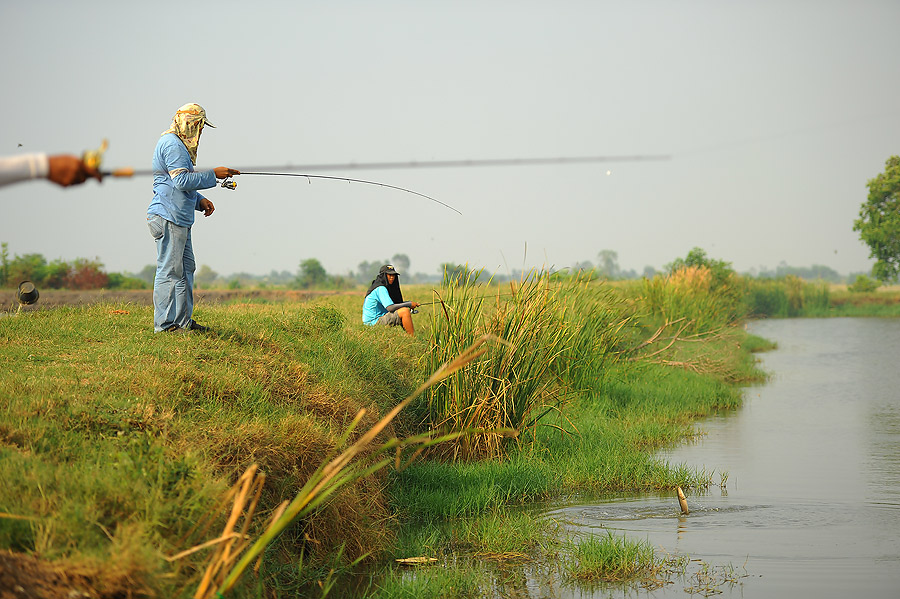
(68, 170)
(223, 172)
(207, 206)
(414, 305)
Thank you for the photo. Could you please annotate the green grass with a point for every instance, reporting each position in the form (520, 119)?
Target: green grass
(430, 581)
(611, 558)
(115, 441)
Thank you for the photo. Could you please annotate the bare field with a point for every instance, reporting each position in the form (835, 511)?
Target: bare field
(54, 298)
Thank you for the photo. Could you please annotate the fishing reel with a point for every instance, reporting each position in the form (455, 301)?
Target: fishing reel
(93, 158)
(229, 184)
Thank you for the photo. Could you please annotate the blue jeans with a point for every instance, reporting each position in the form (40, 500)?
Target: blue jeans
(173, 287)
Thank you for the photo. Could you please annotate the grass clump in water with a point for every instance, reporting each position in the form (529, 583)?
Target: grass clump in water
(611, 558)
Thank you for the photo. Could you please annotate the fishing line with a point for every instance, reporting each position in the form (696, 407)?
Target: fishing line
(475, 297)
(346, 179)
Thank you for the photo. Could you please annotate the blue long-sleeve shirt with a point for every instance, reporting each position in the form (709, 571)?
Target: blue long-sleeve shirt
(375, 305)
(175, 183)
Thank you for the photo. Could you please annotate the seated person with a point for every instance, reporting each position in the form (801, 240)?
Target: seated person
(384, 302)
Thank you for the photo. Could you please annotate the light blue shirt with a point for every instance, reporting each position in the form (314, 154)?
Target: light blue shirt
(175, 183)
(375, 305)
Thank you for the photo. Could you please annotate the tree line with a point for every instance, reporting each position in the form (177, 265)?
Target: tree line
(81, 273)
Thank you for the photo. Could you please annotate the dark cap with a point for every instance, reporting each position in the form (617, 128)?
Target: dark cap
(388, 269)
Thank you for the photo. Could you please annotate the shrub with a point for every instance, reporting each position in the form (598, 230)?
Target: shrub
(863, 284)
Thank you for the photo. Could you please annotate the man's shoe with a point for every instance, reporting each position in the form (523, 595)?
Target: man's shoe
(172, 329)
(198, 327)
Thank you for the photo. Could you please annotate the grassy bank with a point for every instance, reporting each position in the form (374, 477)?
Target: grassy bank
(115, 441)
(118, 445)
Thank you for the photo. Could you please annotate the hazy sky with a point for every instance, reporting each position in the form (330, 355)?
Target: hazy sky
(775, 115)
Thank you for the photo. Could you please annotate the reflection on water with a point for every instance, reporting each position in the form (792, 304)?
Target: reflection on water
(812, 503)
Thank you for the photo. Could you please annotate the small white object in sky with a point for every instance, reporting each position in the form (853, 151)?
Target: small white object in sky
(608, 173)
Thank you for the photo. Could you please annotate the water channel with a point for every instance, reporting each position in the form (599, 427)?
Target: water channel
(811, 504)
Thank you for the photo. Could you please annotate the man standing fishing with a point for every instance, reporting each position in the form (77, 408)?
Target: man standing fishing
(171, 216)
(384, 303)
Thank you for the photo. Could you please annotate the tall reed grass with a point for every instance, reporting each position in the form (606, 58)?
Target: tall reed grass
(693, 294)
(515, 383)
(553, 339)
(786, 297)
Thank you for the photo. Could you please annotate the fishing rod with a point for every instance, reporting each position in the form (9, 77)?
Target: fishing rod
(464, 163)
(94, 157)
(132, 172)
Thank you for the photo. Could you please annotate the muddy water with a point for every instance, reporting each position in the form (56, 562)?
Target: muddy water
(811, 504)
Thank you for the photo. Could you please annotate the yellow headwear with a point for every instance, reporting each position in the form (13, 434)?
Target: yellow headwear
(187, 124)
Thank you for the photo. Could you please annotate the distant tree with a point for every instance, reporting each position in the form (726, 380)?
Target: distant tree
(608, 264)
(366, 271)
(649, 272)
(4, 264)
(205, 277)
(401, 263)
(879, 221)
(124, 281)
(30, 267)
(147, 274)
(311, 274)
(279, 278)
(720, 270)
(56, 274)
(583, 266)
(863, 284)
(808, 273)
(458, 274)
(86, 274)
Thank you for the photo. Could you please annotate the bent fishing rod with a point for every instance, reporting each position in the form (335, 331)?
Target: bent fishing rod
(230, 184)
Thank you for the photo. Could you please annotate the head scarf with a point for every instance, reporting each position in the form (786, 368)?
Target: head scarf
(381, 279)
(187, 124)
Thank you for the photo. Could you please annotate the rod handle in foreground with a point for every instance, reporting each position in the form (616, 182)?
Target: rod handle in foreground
(127, 171)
